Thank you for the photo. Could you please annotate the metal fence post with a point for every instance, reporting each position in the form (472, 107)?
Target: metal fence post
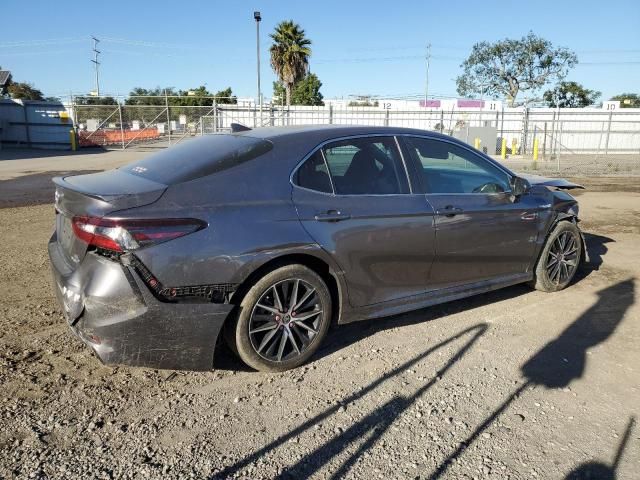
(330, 114)
(215, 116)
(121, 126)
(75, 113)
(26, 124)
(386, 117)
(606, 141)
(559, 143)
(441, 121)
(166, 102)
(525, 130)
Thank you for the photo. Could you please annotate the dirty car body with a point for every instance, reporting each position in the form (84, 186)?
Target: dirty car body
(152, 259)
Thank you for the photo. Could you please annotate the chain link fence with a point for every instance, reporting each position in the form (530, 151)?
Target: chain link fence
(551, 141)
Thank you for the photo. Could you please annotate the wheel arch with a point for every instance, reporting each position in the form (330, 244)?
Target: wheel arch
(314, 263)
(561, 217)
(573, 218)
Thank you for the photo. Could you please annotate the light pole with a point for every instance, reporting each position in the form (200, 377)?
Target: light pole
(257, 18)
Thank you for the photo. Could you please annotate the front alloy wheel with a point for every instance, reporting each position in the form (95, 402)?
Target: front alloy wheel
(562, 259)
(559, 259)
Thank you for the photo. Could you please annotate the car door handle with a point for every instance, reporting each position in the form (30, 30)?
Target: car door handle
(529, 216)
(450, 211)
(332, 216)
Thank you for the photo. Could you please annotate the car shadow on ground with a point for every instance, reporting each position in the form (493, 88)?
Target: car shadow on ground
(596, 246)
(558, 363)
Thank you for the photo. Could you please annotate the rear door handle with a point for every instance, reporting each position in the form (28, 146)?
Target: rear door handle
(529, 216)
(450, 211)
(332, 216)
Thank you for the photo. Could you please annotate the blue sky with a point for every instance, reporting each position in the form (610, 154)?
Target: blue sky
(359, 47)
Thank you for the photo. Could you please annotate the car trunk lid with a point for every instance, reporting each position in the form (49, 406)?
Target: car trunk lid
(97, 195)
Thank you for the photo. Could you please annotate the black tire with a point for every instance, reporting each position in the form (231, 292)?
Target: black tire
(559, 259)
(245, 336)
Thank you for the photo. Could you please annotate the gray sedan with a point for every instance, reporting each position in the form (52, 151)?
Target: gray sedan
(265, 237)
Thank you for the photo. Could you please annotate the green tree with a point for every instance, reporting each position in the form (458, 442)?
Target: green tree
(290, 54)
(24, 91)
(279, 92)
(98, 108)
(90, 100)
(628, 100)
(226, 96)
(193, 97)
(305, 92)
(153, 96)
(510, 66)
(570, 95)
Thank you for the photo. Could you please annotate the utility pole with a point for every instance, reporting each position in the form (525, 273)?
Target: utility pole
(426, 86)
(96, 52)
(257, 18)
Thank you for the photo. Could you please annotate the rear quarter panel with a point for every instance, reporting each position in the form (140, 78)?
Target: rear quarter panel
(251, 219)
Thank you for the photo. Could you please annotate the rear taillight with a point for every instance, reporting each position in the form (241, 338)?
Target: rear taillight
(124, 235)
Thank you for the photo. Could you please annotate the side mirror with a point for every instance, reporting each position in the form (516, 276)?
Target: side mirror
(519, 186)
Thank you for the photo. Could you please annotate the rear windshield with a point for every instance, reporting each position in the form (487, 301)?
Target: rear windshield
(198, 158)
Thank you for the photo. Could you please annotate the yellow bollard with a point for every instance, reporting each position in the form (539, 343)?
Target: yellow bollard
(476, 143)
(503, 149)
(514, 146)
(535, 149)
(74, 141)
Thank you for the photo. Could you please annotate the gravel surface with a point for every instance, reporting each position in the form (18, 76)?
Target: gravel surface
(514, 384)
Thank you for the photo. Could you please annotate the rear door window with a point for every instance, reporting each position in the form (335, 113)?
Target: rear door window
(198, 158)
(366, 166)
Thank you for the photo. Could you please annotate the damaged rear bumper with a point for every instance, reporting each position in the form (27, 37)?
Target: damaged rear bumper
(112, 311)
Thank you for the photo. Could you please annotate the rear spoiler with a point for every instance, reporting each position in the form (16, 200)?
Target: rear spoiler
(105, 192)
(238, 127)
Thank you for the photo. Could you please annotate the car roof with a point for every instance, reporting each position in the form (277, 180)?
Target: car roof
(320, 133)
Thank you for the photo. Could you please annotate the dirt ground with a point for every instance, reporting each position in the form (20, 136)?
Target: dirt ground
(514, 384)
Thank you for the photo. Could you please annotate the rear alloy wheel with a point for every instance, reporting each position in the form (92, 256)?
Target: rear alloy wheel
(559, 259)
(283, 319)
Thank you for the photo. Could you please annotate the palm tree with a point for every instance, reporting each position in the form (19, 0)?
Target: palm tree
(289, 54)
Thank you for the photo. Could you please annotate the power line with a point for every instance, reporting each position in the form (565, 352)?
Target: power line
(39, 43)
(386, 59)
(144, 43)
(43, 52)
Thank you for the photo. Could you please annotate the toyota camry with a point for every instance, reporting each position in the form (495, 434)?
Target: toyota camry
(263, 238)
